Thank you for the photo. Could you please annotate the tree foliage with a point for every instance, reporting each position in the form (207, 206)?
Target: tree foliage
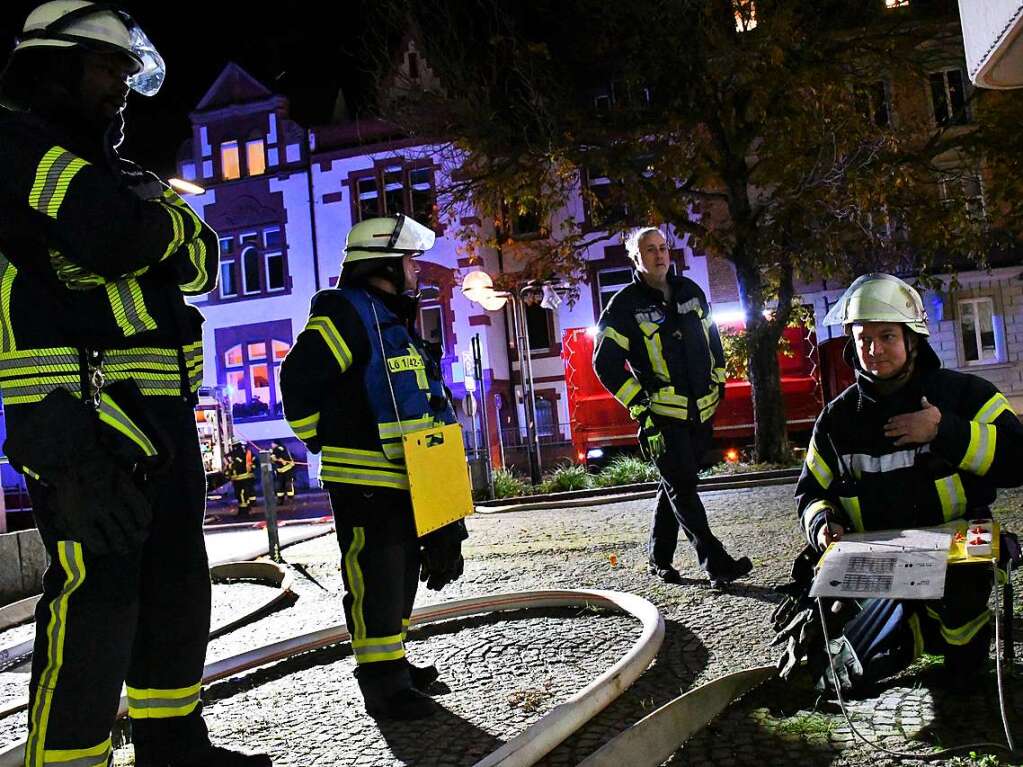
(756, 131)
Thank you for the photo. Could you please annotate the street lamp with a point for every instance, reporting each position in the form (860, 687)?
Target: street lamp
(478, 286)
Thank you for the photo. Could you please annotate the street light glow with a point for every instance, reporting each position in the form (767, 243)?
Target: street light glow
(185, 187)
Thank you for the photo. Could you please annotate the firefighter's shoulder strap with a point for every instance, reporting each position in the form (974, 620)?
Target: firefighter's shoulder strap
(435, 461)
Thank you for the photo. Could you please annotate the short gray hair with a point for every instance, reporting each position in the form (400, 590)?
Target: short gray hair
(632, 242)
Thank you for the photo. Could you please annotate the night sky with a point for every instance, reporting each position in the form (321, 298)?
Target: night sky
(306, 56)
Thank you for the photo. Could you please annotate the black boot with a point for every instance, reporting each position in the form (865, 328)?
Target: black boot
(666, 573)
(733, 570)
(388, 692)
(423, 676)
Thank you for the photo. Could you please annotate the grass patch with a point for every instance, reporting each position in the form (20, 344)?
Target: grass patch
(508, 484)
(806, 724)
(566, 477)
(626, 470)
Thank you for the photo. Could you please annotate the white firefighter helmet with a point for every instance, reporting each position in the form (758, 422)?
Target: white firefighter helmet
(880, 298)
(388, 237)
(96, 26)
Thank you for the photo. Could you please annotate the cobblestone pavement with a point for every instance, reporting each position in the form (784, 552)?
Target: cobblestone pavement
(503, 672)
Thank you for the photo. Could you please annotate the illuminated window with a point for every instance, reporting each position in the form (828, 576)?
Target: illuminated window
(745, 15)
(255, 158)
(229, 161)
(251, 369)
(896, 3)
(981, 331)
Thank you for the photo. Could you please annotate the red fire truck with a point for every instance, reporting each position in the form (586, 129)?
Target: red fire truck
(602, 427)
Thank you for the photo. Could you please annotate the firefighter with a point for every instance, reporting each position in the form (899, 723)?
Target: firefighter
(244, 468)
(660, 325)
(100, 361)
(908, 445)
(284, 471)
(357, 367)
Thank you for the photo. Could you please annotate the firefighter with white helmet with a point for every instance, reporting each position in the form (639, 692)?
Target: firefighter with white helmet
(100, 362)
(909, 444)
(358, 361)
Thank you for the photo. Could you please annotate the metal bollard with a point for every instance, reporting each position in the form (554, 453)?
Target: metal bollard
(266, 472)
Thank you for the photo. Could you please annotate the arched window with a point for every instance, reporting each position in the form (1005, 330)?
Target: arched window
(250, 270)
(252, 374)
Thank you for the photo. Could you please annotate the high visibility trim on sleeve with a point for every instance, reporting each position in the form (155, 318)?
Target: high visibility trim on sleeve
(628, 391)
(851, 506)
(615, 336)
(993, 408)
(325, 327)
(129, 307)
(818, 466)
(952, 496)
(810, 513)
(719, 375)
(177, 232)
(72, 562)
(197, 256)
(981, 451)
(113, 416)
(96, 756)
(53, 177)
(8, 272)
(305, 428)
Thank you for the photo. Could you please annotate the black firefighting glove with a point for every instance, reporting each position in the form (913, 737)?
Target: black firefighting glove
(442, 555)
(796, 625)
(91, 495)
(842, 672)
(651, 440)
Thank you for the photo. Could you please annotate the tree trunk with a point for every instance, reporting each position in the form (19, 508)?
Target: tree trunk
(771, 442)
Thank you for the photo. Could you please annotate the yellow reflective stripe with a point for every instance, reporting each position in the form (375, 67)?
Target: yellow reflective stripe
(852, 508)
(177, 232)
(376, 649)
(129, 307)
(404, 628)
(305, 428)
(8, 272)
(113, 416)
(918, 635)
(965, 633)
(69, 554)
(719, 375)
(325, 327)
(358, 475)
(707, 405)
(811, 511)
(669, 412)
(80, 757)
(163, 703)
(392, 429)
(197, 255)
(53, 177)
(981, 450)
(993, 408)
(818, 466)
(667, 396)
(395, 451)
(615, 336)
(355, 582)
(356, 457)
(627, 391)
(952, 496)
(655, 350)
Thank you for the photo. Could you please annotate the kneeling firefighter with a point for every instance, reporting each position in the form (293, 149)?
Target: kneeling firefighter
(357, 377)
(909, 445)
(100, 362)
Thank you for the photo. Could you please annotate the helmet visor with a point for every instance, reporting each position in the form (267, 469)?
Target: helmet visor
(411, 237)
(148, 80)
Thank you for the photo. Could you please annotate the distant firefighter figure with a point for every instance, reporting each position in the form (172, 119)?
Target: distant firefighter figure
(284, 471)
(243, 466)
